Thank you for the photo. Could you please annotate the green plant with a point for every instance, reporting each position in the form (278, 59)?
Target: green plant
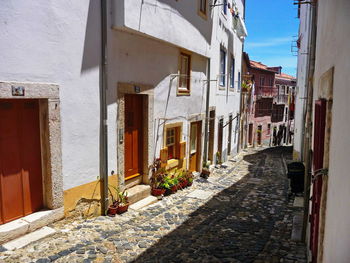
(167, 183)
(218, 158)
(157, 178)
(121, 197)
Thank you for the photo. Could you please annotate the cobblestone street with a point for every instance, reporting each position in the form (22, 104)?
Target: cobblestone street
(242, 213)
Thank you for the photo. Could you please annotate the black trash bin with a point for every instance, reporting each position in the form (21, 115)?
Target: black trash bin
(296, 172)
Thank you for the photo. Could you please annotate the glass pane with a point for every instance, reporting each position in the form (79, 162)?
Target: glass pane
(193, 146)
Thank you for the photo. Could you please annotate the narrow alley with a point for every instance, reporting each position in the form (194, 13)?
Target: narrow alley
(241, 213)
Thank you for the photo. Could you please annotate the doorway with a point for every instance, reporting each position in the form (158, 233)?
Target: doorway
(229, 135)
(259, 131)
(21, 188)
(133, 136)
(211, 135)
(195, 145)
(250, 134)
(220, 136)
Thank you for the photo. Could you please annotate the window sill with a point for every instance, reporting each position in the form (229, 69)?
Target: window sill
(172, 163)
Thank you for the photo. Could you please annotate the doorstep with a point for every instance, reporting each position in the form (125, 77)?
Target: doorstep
(30, 223)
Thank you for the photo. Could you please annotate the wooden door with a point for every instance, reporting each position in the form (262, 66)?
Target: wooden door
(211, 135)
(259, 133)
(220, 137)
(133, 145)
(21, 191)
(229, 135)
(250, 133)
(319, 137)
(195, 145)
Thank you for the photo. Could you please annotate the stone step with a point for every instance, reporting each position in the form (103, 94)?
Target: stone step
(144, 202)
(138, 192)
(29, 238)
(19, 227)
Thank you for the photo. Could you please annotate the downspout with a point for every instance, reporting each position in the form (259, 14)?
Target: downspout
(308, 133)
(103, 112)
(206, 126)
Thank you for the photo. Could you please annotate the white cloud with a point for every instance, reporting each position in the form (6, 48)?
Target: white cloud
(272, 42)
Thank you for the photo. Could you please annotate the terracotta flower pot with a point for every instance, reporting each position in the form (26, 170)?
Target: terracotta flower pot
(122, 208)
(173, 189)
(112, 210)
(189, 183)
(158, 191)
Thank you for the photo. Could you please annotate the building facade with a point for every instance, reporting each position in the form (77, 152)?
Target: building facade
(326, 121)
(164, 59)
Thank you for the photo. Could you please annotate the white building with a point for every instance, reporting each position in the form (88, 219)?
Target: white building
(326, 125)
(157, 60)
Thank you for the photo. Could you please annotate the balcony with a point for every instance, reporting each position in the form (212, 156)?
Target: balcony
(266, 91)
(281, 99)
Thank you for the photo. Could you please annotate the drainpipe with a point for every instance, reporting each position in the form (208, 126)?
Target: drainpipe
(308, 130)
(103, 112)
(205, 154)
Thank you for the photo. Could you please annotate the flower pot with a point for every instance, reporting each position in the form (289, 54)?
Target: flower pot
(158, 191)
(112, 210)
(122, 208)
(184, 184)
(167, 192)
(173, 189)
(189, 183)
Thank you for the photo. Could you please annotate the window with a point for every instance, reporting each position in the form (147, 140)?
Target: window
(172, 142)
(239, 81)
(222, 67)
(232, 73)
(203, 7)
(271, 82)
(224, 7)
(269, 129)
(193, 142)
(262, 81)
(185, 71)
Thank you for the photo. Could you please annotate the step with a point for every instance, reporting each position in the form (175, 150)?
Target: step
(297, 229)
(29, 238)
(144, 202)
(27, 224)
(138, 192)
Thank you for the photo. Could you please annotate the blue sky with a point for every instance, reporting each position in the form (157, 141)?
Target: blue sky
(272, 25)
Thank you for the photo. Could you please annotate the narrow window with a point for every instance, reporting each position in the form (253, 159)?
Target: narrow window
(262, 81)
(239, 81)
(268, 129)
(232, 73)
(222, 67)
(224, 7)
(185, 71)
(203, 6)
(172, 142)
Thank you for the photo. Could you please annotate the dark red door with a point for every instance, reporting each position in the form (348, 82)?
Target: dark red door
(319, 136)
(20, 159)
(133, 136)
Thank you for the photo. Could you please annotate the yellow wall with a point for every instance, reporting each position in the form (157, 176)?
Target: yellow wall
(85, 199)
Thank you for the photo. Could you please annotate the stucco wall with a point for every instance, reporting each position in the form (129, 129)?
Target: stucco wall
(58, 42)
(300, 98)
(332, 49)
(226, 101)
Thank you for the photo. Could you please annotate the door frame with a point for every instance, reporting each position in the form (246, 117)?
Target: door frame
(211, 135)
(147, 92)
(50, 135)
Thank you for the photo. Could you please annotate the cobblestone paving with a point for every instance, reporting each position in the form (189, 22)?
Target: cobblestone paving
(246, 218)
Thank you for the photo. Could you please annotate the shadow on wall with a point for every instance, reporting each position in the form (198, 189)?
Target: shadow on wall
(223, 229)
(92, 44)
(191, 15)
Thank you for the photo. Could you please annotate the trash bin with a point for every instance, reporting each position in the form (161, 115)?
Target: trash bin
(295, 173)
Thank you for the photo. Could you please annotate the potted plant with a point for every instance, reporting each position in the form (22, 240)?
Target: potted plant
(112, 208)
(157, 180)
(205, 170)
(123, 203)
(167, 184)
(189, 177)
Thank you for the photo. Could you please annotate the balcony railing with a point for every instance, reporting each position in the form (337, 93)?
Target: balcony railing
(266, 91)
(281, 99)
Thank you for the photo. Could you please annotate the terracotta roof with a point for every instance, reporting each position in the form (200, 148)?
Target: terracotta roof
(285, 76)
(259, 65)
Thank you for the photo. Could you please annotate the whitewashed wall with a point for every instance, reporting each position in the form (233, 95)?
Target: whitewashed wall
(58, 42)
(333, 35)
(225, 101)
(300, 99)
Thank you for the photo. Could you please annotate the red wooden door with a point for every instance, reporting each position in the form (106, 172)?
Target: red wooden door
(195, 145)
(319, 136)
(133, 136)
(20, 159)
